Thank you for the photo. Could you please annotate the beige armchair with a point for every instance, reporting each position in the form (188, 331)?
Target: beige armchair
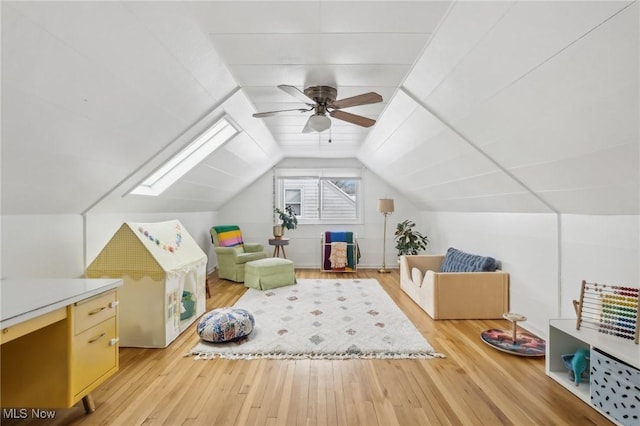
(453, 295)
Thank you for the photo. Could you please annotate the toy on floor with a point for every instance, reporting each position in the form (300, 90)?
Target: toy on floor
(578, 365)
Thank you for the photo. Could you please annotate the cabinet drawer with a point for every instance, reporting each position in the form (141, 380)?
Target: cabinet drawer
(90, 312)
(95, 352)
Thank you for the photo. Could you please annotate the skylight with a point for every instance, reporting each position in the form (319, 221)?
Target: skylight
(178, 165)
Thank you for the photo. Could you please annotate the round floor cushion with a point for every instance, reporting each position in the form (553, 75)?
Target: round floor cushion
(225, 324)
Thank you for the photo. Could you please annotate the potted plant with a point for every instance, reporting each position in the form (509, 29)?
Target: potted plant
(288, 219)
(408, 240)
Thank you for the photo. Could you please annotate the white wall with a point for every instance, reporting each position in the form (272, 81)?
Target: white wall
(546, 255)
(601, 249)
(53, 246)
(526, 244)
(252, 211)
(42, 246)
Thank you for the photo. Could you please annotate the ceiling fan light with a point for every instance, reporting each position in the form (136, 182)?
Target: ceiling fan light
(319, 123)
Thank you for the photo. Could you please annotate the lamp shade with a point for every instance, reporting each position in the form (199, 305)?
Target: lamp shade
(385, 205)
(319, 123)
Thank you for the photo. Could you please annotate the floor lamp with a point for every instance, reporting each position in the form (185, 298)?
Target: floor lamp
(385, 206)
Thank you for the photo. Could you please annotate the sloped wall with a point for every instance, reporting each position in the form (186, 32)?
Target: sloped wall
(507, 117)
(527, 246)
(60, 246)
(547, 255)
(41, 246)
(602, 249)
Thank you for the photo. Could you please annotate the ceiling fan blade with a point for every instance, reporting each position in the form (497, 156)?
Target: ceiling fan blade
(296, 93)
(364, 99)
(352, 118)
(272, 113)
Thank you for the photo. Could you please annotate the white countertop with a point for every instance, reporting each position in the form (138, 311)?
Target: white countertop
(24, 299)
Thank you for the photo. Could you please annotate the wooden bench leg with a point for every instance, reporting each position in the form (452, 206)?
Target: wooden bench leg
(89, 404)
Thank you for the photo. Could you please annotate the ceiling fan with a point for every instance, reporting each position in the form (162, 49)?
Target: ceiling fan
(322, 101)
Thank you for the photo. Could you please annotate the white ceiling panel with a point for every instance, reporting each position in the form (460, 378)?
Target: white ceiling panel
(311, 49)
(605, 200)
(492, 183)
(381, 17)
(499, 59)
(433, 172)
(616, 166)
(243, 148)
(303, 76)
(261, 49)
(536, 103)
(522, 202)
(354, 46)
(257, 17)
(450, 45)
(417, 140)
(548, 113)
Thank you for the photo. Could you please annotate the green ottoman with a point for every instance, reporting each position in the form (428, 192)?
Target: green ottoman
(268, 273)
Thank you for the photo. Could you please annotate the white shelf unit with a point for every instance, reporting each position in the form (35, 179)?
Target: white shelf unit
(565, 339)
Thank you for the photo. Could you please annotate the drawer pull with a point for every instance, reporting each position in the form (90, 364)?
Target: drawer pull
(114, 304)
(95, 339)
(114, 341)
(98, 310)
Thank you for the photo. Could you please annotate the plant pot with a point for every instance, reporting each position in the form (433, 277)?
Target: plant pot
(278, 231)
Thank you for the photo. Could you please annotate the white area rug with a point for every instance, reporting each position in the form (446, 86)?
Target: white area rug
(323, 319)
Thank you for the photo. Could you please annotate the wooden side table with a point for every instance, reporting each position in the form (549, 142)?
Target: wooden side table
(278, 244)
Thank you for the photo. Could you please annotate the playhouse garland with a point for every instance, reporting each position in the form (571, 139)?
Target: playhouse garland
(170, 247)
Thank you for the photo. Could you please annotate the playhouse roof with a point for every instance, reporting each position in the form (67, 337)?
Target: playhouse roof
(151, 249)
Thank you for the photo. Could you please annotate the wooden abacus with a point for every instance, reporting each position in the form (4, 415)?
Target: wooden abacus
(609, 309)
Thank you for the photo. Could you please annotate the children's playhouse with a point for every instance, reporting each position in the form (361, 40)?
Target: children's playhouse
(164, 274)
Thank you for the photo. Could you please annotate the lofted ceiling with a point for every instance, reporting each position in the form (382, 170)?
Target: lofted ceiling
(502, 106)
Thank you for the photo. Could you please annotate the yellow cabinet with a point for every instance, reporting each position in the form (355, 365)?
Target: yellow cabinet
(93, 311)
(58, 362)
(94, 344)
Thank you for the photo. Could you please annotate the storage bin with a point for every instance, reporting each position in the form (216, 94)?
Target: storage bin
(615, 388)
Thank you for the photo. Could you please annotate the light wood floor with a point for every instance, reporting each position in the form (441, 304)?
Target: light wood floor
(474, 385)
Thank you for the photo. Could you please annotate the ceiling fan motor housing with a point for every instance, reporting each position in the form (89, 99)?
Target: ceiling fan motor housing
(323, 95)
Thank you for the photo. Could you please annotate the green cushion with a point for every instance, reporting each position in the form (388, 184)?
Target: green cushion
(269, 273)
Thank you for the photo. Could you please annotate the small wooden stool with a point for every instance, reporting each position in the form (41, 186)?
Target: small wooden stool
(514, 318)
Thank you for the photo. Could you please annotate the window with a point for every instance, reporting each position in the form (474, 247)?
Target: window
(190, 156)
(320, 196)
(293, 199)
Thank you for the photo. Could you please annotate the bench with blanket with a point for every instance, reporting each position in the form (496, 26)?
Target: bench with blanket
(456, 286)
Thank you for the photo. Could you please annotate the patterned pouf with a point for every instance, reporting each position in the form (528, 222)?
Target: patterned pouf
(224, 324)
